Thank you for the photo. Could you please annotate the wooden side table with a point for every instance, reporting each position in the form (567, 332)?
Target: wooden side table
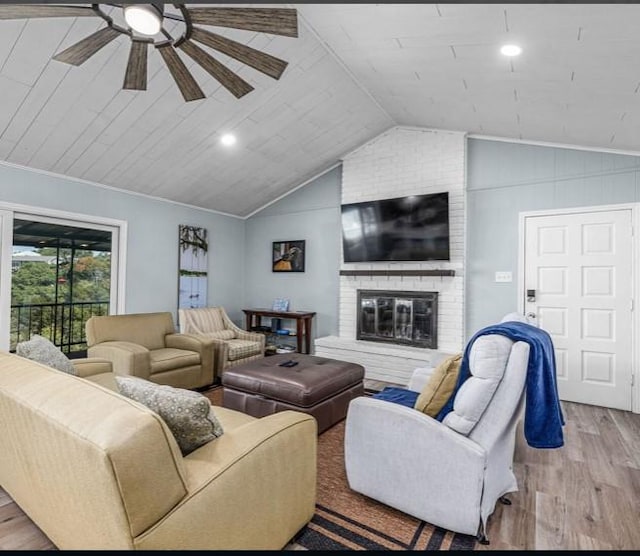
(303, 323)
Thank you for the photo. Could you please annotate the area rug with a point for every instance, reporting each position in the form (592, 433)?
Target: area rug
(346, 520)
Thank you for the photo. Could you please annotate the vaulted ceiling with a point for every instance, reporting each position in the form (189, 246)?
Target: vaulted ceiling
(354, 71)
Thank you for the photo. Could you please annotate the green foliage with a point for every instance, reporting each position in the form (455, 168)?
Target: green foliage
(86, 279)
(33, 283)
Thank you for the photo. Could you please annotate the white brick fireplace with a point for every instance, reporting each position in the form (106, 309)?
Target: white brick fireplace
(404, 161)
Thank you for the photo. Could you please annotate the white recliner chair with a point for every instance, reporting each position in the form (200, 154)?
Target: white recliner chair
(449, 473)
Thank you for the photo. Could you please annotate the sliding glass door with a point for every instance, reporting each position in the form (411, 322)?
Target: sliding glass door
(62, 272)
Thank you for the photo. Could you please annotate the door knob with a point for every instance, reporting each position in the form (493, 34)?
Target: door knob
(531, 315)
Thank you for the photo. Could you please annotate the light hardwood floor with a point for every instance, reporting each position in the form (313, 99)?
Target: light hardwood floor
(585, 495)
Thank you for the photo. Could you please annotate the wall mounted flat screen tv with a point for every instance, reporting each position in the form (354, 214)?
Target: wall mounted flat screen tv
(414, 228)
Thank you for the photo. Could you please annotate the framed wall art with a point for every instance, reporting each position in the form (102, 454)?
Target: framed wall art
(288, 256)
(192, 268)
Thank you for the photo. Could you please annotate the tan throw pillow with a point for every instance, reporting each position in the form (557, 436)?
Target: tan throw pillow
(440, 386)
(188, 414)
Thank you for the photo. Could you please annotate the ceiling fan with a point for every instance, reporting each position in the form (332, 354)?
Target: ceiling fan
(145, 24)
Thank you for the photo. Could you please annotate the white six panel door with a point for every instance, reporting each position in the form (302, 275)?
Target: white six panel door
(580, 266)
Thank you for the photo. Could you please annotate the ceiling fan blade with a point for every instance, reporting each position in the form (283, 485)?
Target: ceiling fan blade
(232, 82)
(270, 65)
(136, 75)
(22, 11)
(278, 21)
(186, 83)
(87, 47)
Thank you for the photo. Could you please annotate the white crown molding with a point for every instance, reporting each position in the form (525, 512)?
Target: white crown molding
(553, 144)
(111, 188)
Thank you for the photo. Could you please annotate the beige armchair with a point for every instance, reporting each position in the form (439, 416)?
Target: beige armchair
(96, 370)
(232, 344)
(146, 345)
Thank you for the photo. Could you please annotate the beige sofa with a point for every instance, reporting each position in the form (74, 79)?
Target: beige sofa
(147, 345)
(96, 470)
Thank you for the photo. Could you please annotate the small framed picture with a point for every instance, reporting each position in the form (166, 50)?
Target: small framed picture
(280, 304)
(288, 256)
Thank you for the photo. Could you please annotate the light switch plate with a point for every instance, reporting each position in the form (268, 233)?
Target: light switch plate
(504, 276)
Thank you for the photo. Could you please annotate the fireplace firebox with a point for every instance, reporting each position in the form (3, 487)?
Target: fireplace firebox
(398, 317)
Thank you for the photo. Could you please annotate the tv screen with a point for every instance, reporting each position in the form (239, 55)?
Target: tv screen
(414, 228)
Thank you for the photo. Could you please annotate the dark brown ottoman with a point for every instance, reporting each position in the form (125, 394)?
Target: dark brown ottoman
(316, 385)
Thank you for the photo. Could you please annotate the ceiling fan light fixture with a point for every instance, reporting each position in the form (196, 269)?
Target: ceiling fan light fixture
(145, 19)
(511, 50)
(144, 24)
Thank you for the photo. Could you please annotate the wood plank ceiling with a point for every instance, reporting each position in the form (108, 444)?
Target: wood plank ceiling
(354, 71)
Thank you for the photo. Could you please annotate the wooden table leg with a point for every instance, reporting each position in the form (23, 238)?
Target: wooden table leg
(299, 333)
(307, 335)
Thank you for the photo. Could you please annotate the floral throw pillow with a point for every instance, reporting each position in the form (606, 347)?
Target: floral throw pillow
(188, 414)
(43, 351)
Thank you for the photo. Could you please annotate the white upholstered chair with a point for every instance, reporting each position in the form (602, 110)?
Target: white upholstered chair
(232, 345)
(449, 473)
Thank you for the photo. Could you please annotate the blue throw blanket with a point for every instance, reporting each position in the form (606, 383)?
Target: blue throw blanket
(399, 395)
(543, 419)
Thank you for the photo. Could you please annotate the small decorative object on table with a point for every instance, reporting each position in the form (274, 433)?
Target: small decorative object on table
(280, 304)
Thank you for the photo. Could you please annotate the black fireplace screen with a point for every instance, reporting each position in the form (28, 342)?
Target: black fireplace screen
(408, 318)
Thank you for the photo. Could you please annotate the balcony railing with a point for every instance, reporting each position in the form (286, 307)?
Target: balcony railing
(62, 323)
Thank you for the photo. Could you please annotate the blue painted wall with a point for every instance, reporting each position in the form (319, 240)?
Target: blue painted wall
(152, 249)
(311, 213)
(504, 179)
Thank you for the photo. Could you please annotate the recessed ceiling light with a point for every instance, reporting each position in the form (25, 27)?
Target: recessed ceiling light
(511, 50)
(227, 139)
